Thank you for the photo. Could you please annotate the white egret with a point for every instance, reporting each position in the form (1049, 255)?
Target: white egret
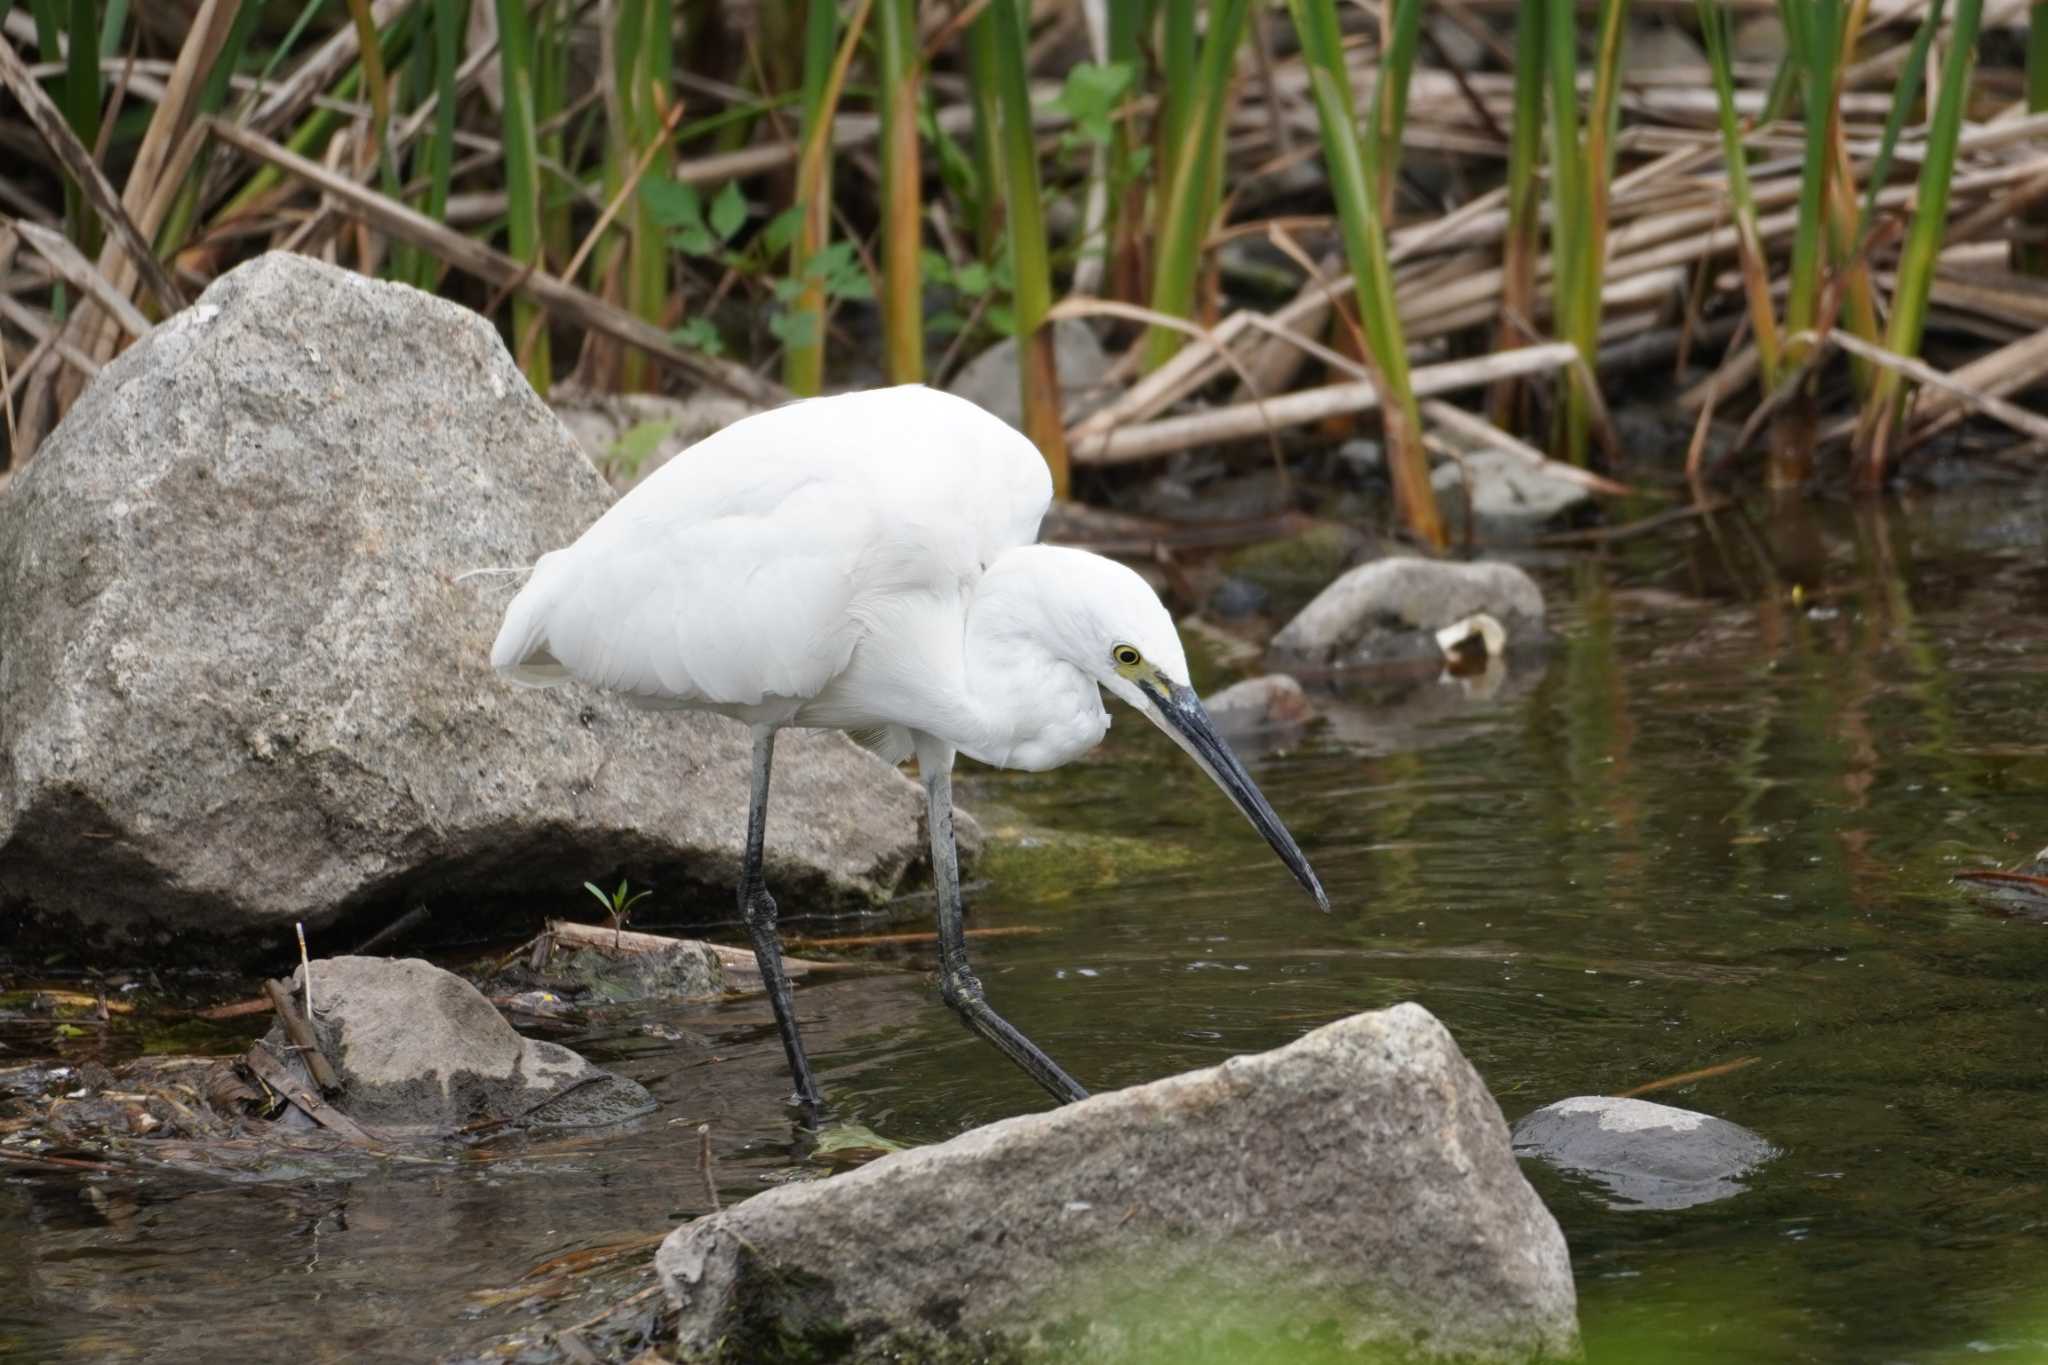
(866, 563)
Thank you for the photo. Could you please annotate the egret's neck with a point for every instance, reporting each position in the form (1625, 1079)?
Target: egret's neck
(1033, 709)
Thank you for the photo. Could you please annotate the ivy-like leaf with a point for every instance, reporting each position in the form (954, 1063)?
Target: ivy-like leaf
(794, 329)
(1092, 94)
(699, 335)
(781, 231)
(728, 211)
(673, 203)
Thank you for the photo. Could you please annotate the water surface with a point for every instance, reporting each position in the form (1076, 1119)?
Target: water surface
(1716, 823)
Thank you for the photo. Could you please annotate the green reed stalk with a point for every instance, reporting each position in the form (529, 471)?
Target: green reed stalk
(550, 97)
(642, 48)
(1756, 280)
(522, 175)
(803, 359)
(77, 95)
(988, 139)
(902, 201)
(1191, 186)
(1882, 408)
(1390, 99)
(1524, 240)
(1581, 167)
(1355, 167)
(1030, 264)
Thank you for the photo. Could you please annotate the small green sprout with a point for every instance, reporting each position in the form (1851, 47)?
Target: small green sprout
(617, 905)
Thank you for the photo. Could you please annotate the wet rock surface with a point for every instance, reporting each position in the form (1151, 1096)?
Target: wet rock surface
(1353, 1188)
(1643, 1155)
(1389, 611)
(241, 684)
(419, 1051)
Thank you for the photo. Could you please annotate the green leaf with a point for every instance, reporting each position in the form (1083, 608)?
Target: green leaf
(602, 899)
(699, 335)
(694, 241)
(781, 231)
(673, 203)
(972, 279)
(1002, 318)
(728, 211)
(70, 1031)
(626, 455)
(794, 329)
(1091, 96)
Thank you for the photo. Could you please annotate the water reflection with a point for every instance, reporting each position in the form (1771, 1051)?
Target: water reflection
(1716, 822)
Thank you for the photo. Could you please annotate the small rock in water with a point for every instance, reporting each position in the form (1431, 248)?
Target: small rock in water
(1352, 1191)
(1272, 702)
(1390, 610)
(419, 1050)
(1648, 1156)
(1509, 495)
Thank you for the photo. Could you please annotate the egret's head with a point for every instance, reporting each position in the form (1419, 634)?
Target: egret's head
(1111, 625)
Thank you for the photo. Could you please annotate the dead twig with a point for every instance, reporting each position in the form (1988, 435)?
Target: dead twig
(563, 300)
(78, 163)
(303, 1038)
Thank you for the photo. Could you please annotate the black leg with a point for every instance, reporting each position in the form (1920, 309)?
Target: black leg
(957, 982)
(757, 907)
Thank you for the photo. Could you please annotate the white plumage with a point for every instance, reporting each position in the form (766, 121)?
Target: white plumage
(866, 562)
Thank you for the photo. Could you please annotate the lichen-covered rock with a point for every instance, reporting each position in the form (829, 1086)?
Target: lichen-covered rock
(1643, 1155)
(242, 682)
(1353, 1190)
(420, 1051)
(1388, 611)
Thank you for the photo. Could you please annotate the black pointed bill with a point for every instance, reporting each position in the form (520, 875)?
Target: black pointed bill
(1179, 712)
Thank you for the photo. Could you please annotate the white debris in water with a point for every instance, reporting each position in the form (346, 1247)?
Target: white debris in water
(1631, 1116)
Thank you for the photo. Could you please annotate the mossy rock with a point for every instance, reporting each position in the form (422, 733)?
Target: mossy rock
(1048, 866)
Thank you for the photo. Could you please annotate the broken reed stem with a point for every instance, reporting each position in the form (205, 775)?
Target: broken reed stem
(704, 1169)
(303, 1038)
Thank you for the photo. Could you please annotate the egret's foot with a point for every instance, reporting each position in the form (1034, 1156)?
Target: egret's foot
(962, 990)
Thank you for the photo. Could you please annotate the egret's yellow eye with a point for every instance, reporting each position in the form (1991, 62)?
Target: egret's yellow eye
(1125, 656)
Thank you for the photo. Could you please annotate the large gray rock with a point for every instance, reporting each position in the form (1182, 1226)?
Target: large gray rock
(1354, 1187)
(420, 1051)
(1643, 1155)
(1389, 610)
(240, 684)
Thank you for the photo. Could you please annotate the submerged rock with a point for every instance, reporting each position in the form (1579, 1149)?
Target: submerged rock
(1260, 706)
(1644, 1155)
(420, 1051)
(241, 684)
(1352, 1190)
(1390, 610)
(1506, 495)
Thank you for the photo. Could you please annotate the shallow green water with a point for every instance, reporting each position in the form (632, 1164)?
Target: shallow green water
(1712, 825)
